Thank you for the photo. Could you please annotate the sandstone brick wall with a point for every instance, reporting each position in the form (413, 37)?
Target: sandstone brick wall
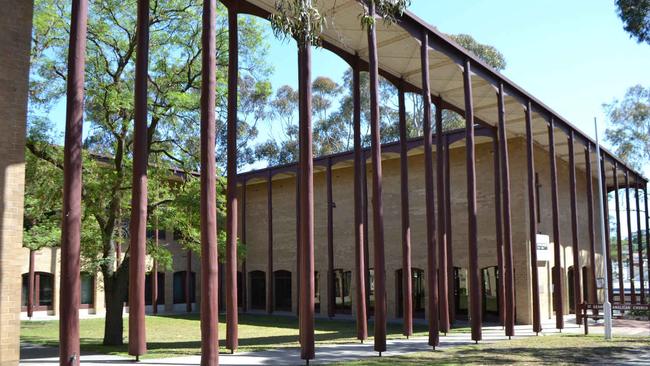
(16, 25)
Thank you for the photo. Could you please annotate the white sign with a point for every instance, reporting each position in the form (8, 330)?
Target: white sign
(543, 252)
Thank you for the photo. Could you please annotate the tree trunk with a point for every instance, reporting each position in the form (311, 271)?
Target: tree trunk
(116, 287)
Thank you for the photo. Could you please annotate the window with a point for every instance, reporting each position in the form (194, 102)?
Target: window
(489, 282)
(316, 292)
(161, 289)
(342, 299)
(43, 290)
(180, 287)
(417, 294)
(460, 290)
(87, 290)
(257, 290)
(282, 289)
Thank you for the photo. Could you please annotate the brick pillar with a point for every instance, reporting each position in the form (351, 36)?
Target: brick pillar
(15, 38)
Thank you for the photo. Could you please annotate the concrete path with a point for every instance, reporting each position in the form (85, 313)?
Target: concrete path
(45, 356)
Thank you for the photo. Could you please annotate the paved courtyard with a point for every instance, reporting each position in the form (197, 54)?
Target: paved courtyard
(47, 356)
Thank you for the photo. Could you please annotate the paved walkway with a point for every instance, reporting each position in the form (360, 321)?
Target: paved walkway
(45, 356)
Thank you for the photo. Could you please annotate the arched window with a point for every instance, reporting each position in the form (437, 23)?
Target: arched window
(180, 287)
(161, 289)
(489, 286)
(87, 291)
(316, 292)
(43, 290)
(257, 290)
(342, 299)
(417, 294)
(460, 291)
(282, 289)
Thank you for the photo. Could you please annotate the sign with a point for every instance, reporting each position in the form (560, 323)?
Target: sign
(543, 244)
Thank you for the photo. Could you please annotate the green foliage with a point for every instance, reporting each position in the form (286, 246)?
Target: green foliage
(635, 15)
(389, 10)
(488, 54)
(629, 125)
(298, 19)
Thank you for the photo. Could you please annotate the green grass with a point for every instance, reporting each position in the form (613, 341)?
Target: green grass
(548, 350)
(178, 335)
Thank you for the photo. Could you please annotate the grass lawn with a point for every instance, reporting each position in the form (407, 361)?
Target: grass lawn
(177, 335)
(552, 350)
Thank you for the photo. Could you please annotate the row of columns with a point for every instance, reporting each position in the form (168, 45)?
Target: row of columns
(438, 243)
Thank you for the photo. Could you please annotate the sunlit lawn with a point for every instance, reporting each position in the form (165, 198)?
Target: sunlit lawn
(546, 350)
(177, 335)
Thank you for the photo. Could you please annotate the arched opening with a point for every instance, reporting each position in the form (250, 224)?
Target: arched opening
(180, 289)
(316, 292)
(160, 288)
(43, 291)
(257, 290)
(571, 276)
(417, 294)
(87, 293)
(342, 293)
(282, 290)
(585, 284)
(460, 292)
(490, 293)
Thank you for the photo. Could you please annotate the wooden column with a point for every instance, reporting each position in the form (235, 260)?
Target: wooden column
(508, 274)
(639, 237)
(499, 231)
(269, 244)
(443, 271)
(475, 312)
(209, 251)
(331, 300)
(629, 237)
(532, 218)
(138, 223)
(359, 257)
(431, 279)
(69, 293)
(306, 165)
(244, 273)
(591, 227)
(575, 247)
(450, 257)
(231, 183)
(557, 248)
(407, 291)
(608, 257)
(30, 284)
(619, 244)
(366, 235)
(188, 283)
(377, 206)
(154, 272)
(647, 228)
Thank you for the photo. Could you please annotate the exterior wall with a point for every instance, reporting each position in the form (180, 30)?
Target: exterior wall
(16, 25)
(284, 243)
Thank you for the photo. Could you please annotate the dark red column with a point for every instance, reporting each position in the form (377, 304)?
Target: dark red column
(154, 273)
(431, 279)
(508, 273)
(532, 218)
(209, 251)
(359, 257)
(138, 226)
(593, 298)
(30, 285)
(188, 282)
(306, 164)
(647, 228)
(608, 255)
(244, 274)
(619, 244)
(377, 207)
(443, 271)
(71, 221)
(629, 237)
(501, 290)
(557, 248)
(639, 236)
(331, 300)
(407, 297)
(269, 244)
(575, 247)
(231, 183)
(472, 234)
(450, 259)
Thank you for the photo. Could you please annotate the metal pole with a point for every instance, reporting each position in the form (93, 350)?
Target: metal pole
(575, 248)
(71, 222)
(232, 320)
(306, 164)
(593, 296)
(508, 276)
(557, 265)
(331, 301)
(605, 217)
(472, 236)
(607, 307)
(378, 210)
(532, 218)
(443, 270)
(407, 290)
(209, 252)
(360, 263)
(432, 281)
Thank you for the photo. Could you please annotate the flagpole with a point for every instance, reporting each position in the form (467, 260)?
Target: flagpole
(607, 306)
